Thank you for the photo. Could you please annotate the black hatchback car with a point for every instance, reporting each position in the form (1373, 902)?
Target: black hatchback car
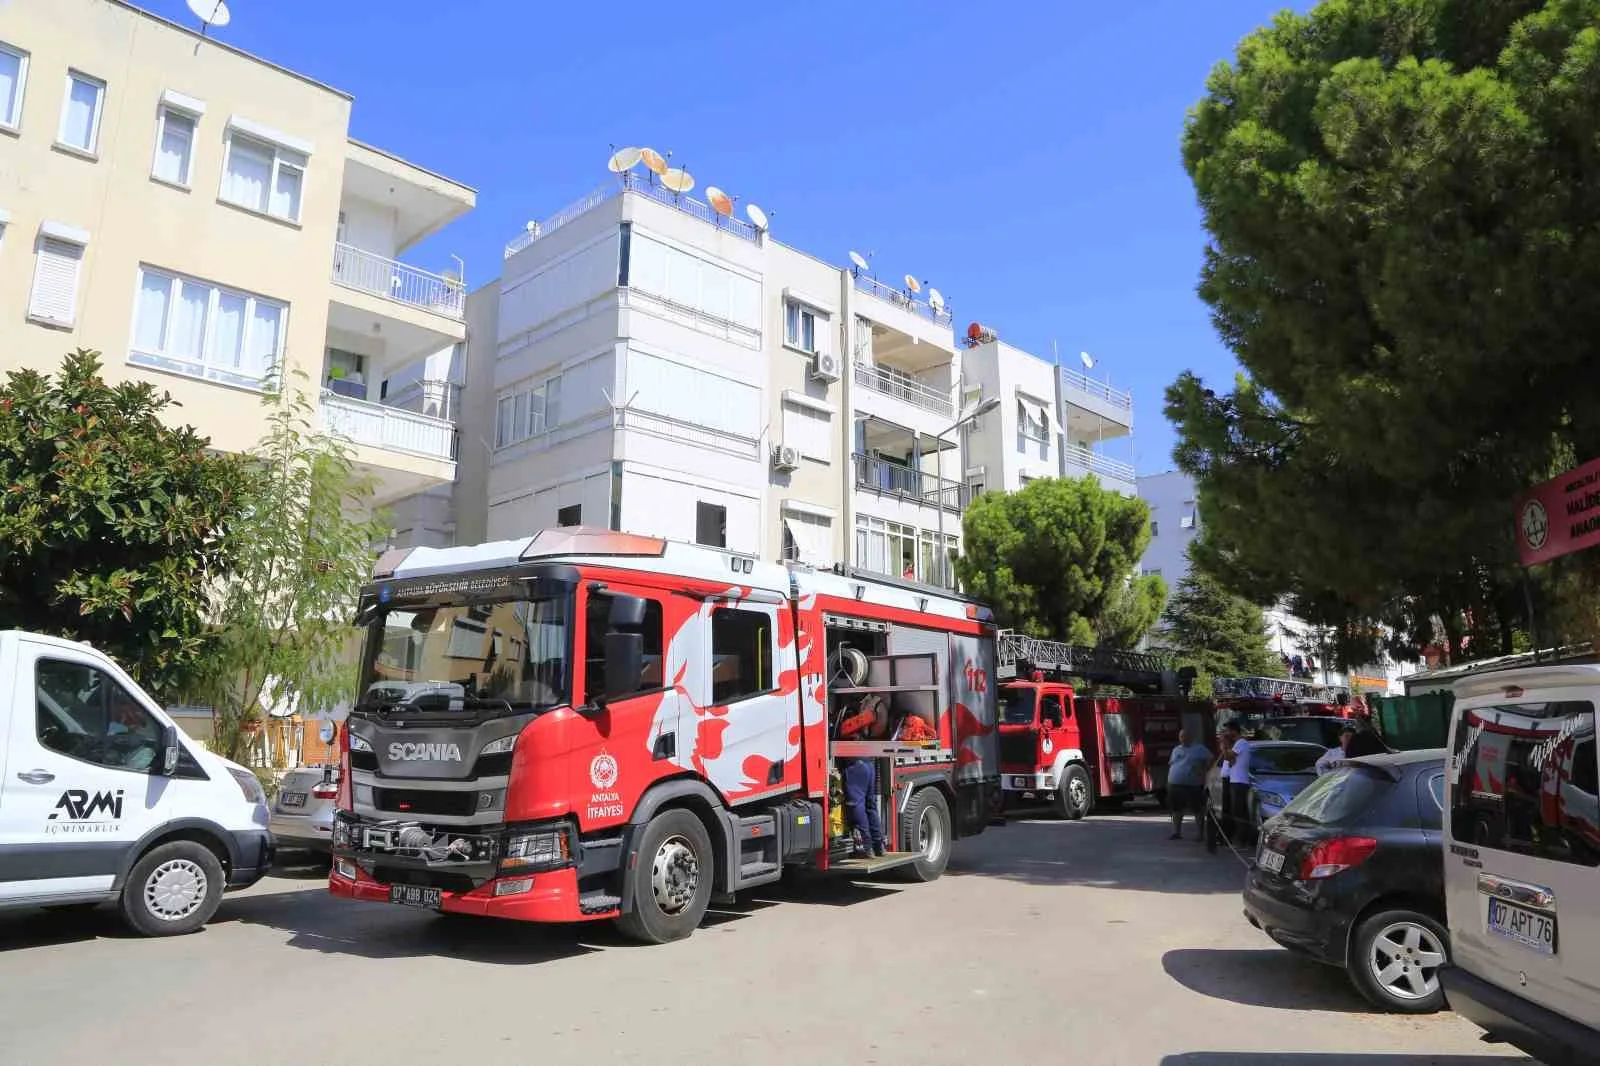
(1351, 874)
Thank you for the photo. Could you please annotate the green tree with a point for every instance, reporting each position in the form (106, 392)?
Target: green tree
(1403, 254)
(1048, 558)
(111, 520)
(283, 621)
(1131, 608)
(1217, 632)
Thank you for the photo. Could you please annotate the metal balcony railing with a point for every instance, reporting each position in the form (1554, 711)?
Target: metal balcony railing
(1081, 459)
(1072, 379)
(904, 387)
(892, 479)
(903, 299)
(645, 184)
(355, 268)
(391, 428)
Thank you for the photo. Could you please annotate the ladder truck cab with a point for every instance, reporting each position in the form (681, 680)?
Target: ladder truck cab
(588, 724)
(1074, 750)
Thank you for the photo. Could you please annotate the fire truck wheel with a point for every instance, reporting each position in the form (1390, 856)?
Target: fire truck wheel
(1076, 797)
(671, 881)
(925, 827)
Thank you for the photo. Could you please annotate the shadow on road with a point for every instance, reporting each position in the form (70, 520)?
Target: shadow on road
(1312, 1058)
(1265, 977)
(1123, 851)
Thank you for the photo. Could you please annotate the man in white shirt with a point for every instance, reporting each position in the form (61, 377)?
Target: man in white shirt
(1336, 754)
(1236, 794)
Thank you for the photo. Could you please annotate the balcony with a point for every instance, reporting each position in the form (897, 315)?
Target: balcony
(892, 479)
(903, 299)
(890, 381)
(392, 429)
(363, 271)
(1114, 472)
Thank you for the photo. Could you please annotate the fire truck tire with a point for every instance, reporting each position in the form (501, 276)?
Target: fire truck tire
(672, 880)
(1076, 796)
(925, 826)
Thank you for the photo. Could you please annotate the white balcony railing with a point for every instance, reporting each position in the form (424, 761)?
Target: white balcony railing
(903, 299)
(1081, 459)
(902, 386)
(391, 428)
(368, 272)
(1072, 379)
(645, 184)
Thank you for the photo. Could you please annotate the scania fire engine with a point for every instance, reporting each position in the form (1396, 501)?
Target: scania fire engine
(1074, 750)
(588, 725)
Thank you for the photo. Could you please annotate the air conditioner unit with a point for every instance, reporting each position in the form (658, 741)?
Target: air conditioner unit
(786, 457)
(826, 367)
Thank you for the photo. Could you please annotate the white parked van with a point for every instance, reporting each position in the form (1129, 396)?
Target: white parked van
(1522, 859)
(102, 798)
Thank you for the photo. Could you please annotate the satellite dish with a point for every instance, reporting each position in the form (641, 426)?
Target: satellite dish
(1088, 360)
(913, 284)
(531, 226)
(720, 202)
(935, 300)
(757, 217)
(856, 258)
(678, 180)
(652, 161)
(624, 160)
(214, 13)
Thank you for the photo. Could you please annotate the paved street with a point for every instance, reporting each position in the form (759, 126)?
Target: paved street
(1096, 942)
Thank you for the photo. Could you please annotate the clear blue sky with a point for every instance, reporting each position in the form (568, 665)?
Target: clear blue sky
(1021, 156)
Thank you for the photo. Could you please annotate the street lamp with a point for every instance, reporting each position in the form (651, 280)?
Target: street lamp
(981, 408)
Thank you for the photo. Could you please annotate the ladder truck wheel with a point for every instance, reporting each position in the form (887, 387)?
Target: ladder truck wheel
(672, 879)
(925, 828)
(1075, 797)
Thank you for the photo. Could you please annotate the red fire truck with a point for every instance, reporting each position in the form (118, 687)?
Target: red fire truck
(1251, 700)
(1074, 751)
(587, 724)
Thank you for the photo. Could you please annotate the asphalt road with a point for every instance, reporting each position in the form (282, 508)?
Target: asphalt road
(1096, 942)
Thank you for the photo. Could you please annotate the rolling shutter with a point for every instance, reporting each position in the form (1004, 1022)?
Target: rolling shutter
(55, 282)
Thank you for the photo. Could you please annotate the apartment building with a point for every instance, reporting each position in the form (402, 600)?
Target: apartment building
(1174, 524)
(1051, 422)
(203, 219)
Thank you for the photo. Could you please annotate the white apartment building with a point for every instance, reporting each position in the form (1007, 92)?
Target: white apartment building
(202, 218)
(1174, 524)
(1051, 422)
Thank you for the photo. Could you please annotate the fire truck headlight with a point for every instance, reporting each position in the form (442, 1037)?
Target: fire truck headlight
(359, 743)
(543, 850)
(343, 836)
(363, 795)
(499, 747)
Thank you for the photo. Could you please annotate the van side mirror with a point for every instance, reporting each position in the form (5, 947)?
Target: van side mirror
(171, 750)
(624, 646)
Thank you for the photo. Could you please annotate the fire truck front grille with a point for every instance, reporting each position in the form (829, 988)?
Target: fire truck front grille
(425, 801)
(1017, 749)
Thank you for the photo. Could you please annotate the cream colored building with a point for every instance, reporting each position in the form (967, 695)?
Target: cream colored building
(202, 218)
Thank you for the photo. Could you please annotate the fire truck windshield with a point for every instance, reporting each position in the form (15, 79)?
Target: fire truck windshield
(505, 655)
(1016, 705)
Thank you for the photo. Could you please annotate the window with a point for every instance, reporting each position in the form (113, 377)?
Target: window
(56, 269)
(799, 326)
(741, 654)
(13, 78)
(807, 538)
(1050, 711)
(528, 411)
(84, 714)
(711, 524)
(692, 283)
(263, 177)
(206, 331)
(886, 547)
(1186, 522)
(174, 146)
(1033, 429)
(1016, 706)
(1524, 778)
(1154, 571)
(929, 559)
(809, 429)
(597, 624)
(570, 515)
(80, 112)
(1155, 528)
(975, 486)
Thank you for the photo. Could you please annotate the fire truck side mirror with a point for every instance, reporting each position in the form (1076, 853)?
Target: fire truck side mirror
(624, 646)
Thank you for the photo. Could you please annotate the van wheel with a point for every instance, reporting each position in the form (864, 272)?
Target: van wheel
(672, 879)
(1395, 960)
(925, 829)
(173, 889)
(1076, 797)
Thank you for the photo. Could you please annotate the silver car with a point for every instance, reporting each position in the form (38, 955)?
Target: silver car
(302, 813)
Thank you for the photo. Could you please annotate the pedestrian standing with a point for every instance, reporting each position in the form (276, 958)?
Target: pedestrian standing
(1236, 792)
(1186, 778)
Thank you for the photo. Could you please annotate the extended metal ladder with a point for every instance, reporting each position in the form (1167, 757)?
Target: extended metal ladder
(1017, 654)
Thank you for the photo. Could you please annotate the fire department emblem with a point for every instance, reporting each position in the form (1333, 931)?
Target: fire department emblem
(603, 771)
(1048, 745)
(1535, 524)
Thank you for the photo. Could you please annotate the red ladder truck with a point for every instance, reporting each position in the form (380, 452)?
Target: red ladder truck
(1076, 750)
(587, 724)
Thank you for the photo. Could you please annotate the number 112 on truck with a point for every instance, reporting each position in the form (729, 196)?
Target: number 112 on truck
(591, 725)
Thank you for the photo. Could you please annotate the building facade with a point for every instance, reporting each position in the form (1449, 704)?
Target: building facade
(202, 218)
(1174, 524)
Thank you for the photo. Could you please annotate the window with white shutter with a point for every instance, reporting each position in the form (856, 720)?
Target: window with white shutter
(808, 429)
(54, 300)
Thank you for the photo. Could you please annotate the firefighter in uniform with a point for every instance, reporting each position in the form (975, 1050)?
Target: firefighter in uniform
(861, 778)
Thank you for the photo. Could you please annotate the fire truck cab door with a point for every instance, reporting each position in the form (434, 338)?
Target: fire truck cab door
(749, 741)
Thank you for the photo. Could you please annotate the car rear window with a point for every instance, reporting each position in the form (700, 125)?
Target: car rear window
(1523, 779)
(1339, 796)
(1284, 760)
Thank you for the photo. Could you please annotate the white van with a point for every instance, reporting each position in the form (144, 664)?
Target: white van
(103, 799)
(1522, 859)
